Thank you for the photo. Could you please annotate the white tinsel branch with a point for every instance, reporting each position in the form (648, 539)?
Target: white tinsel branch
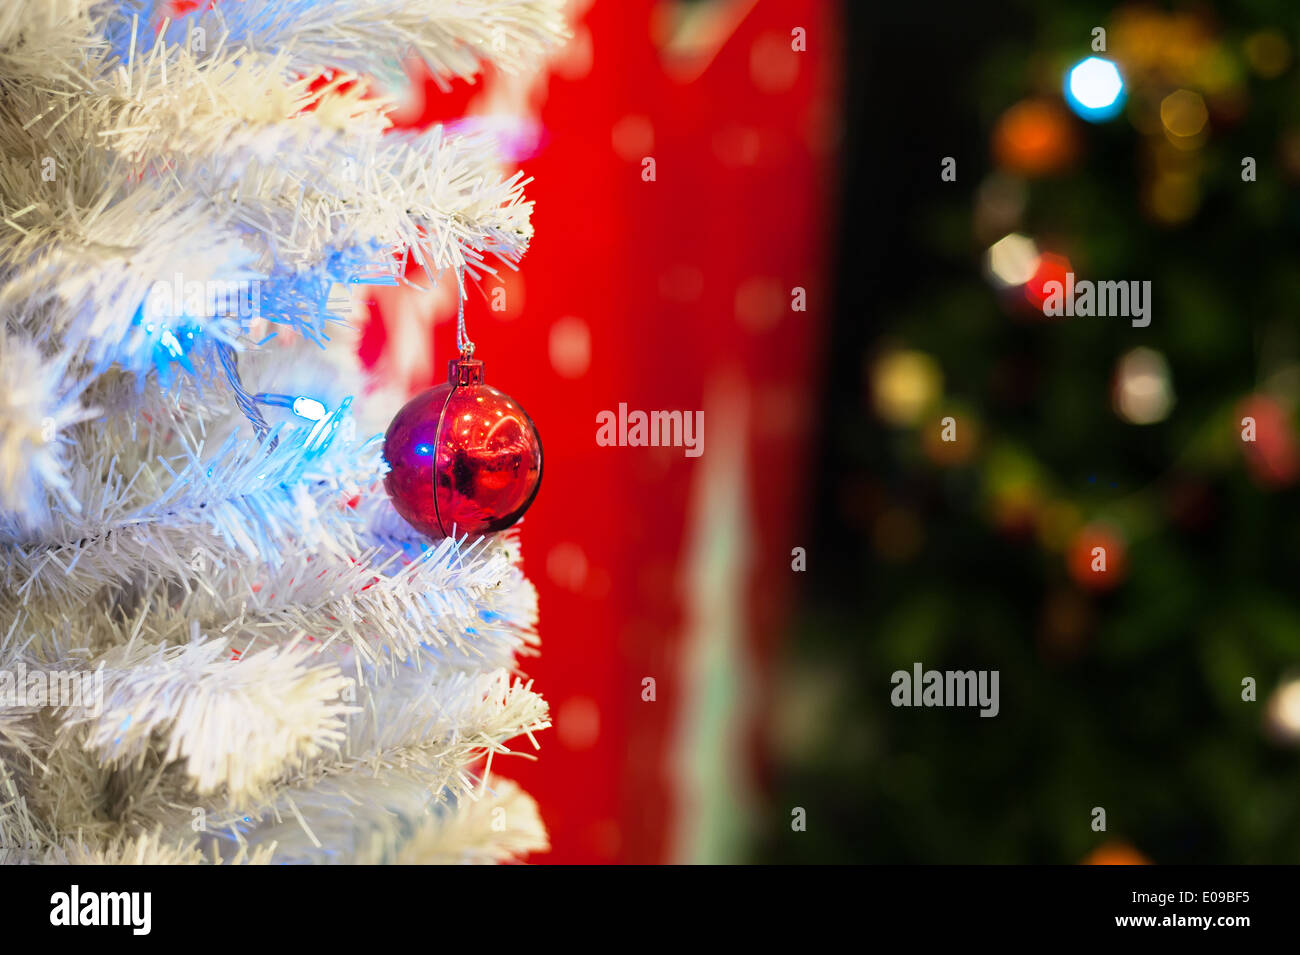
(235, 721)
(452, 37)
(288, 672)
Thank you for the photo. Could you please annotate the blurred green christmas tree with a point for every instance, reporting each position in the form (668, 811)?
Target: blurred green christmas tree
(1120, 689)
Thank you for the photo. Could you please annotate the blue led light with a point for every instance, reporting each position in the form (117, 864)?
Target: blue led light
(161, 346)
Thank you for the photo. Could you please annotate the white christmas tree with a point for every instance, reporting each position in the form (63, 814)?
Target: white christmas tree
(218, 642)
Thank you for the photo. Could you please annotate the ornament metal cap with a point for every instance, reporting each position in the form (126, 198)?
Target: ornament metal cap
(464, 371)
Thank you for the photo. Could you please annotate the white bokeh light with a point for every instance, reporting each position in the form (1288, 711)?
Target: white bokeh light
(1095, 85)
(1013, 259)
(1143, 392)
(1283, 711)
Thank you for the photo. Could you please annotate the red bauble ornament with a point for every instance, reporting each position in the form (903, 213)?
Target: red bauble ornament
(463, 457)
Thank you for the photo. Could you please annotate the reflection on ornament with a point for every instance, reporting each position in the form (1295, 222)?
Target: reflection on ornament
(463, 457)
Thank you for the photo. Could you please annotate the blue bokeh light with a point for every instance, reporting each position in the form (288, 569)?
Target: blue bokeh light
(1094, 89)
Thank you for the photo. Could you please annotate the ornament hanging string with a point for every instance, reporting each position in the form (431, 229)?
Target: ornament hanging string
(462, 338)
(310, 408)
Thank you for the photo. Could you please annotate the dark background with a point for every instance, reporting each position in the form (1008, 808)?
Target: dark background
(1125, 696)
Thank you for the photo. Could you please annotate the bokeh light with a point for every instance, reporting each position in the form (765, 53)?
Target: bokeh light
(1283, 711)
(1034, 138)
(1014, 488)
(1183, 114)
(1094, 89)
(965, 435)
(903, 385)
(1116, 853)
(1012, 260)
(1268, 53)
(1051, 268)
(999, 205)
(1098, 557)
(1172, 196)
(1272, 457)
(1143, 393)
(1058, 523)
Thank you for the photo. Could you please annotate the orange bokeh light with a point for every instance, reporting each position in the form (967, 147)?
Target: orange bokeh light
(1115, 853)
(1035, 137)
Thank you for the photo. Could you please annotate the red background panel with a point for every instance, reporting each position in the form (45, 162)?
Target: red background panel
(673, 294)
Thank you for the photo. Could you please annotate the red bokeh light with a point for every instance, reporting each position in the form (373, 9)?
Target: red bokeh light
(1097, 546)
(1272, 457)
(1051, 268)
